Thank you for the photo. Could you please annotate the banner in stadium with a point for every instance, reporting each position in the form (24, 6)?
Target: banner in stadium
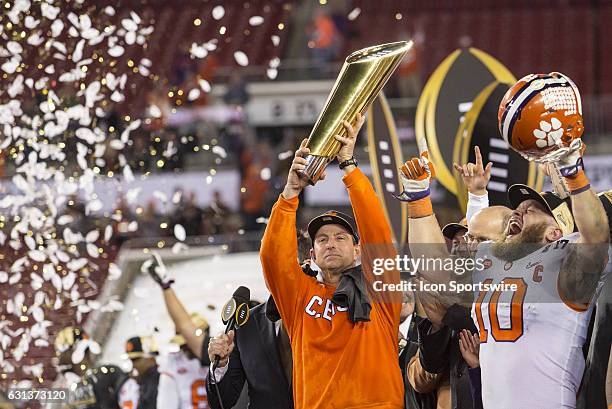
(458, 110)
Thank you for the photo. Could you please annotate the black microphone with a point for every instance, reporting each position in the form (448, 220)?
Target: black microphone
(235, 312)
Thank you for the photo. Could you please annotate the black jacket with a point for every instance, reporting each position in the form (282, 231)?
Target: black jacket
(440, 352)
(592, 392)
(412, 398)
(255, 360)
(148, 389)
(98, 389)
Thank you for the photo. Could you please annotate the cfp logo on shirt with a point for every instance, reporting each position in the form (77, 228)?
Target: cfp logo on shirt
(314, 308)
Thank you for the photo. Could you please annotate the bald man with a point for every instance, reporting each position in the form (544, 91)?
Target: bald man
(489, 224)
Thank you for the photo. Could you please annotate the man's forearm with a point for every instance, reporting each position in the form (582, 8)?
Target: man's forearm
(426, 240)
(590, 217)
(182, 322)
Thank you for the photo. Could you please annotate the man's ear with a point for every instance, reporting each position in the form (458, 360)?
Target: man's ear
(553, 234)
(312, 255)
(357, 251)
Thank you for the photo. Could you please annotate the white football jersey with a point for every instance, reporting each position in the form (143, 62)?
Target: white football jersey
(182, 383)
(531, 340)
(129, 393)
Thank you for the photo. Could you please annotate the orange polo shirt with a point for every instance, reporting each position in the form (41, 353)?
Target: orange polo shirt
(336, 363)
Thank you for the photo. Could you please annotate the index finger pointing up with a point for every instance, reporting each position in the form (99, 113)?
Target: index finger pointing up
(478, 157)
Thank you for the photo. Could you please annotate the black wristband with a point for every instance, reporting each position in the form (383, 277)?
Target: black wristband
(348, 162)
(167, 284)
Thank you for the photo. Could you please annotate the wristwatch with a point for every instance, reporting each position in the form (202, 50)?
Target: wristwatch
(348, 162)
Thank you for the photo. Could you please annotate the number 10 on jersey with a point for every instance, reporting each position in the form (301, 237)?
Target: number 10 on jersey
(516, 312)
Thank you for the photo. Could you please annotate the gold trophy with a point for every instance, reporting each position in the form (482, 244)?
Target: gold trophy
(363, 75)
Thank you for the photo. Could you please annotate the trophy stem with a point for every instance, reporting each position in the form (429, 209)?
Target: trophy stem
(315, 165)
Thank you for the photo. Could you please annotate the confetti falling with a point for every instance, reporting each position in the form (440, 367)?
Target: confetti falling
(58, 61)
(62, 78)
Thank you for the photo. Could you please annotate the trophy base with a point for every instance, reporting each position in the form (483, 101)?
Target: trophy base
(315, 165)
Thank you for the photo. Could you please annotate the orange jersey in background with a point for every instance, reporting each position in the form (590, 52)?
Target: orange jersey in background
(336, 363)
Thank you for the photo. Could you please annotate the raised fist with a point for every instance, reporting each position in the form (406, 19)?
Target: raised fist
(155, 267)
(415, 175)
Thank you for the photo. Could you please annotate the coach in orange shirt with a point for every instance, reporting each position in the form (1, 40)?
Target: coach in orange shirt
(345, 353)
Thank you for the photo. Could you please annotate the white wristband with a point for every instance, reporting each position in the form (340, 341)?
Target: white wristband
(475, 204)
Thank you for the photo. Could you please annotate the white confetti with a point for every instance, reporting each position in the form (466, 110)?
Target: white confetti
(116, 144)
(198, 51)
(31, 22)
(77, 264)
(56, 28)
(265, 174)
(274, 62)
(354, 14)
(14, 279)
(92, 250)
(38, 314)
(92, 236)
(241, 58)
(30, 242)
(49, 11)
(78, 51)
(114, 272)
(179, 232)
(218, 150)
(68, 281)
(35, 39)
(108, 233)
(129, 25)
(135, 17)
(179, 248)
(84, 22)
(218, 12)
(117, 97)
(193, 94)
(205, 85)
(130, 37)
(14, 47)
(275, 40)
(285, 155)
(116, 51)
(37, 255)
(272, 73)
(10, 66)
(43, 180)
(256, 20)
(128, 176)
(154, 111)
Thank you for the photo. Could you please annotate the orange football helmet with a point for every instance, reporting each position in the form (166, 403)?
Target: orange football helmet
(541, 114)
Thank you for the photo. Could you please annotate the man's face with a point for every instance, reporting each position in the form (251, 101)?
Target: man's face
(459, 245)
(334, 249)
(488, 224)
(529, 227)
(525, 218)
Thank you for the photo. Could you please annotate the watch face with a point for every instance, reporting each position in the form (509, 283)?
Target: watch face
(347, 162)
